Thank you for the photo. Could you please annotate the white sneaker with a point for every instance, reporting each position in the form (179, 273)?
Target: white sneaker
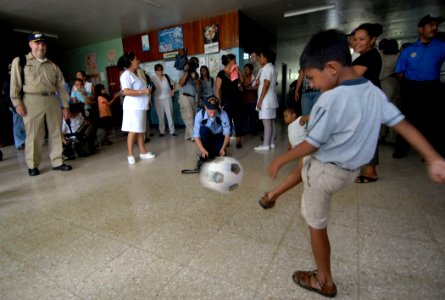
(147, 155)
(272, 146)
(131, 160)
(262, 148)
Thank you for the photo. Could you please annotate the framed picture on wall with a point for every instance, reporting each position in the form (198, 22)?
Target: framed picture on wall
(170, 39)
(145, 43)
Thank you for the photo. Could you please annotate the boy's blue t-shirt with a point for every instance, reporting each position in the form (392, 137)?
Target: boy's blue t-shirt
(79, 97)
(345, 123)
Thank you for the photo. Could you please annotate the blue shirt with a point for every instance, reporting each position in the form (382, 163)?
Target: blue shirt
(211, 123)
(189, 87)
(344, 123)
(422, 63)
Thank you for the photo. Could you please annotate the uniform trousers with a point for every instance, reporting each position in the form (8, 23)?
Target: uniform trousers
(187, 106)
(423, 107)
(41, 110)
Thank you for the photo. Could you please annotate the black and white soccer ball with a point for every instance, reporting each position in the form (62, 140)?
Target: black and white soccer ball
(224, 174)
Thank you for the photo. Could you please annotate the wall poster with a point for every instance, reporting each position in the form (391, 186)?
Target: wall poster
(170, 39)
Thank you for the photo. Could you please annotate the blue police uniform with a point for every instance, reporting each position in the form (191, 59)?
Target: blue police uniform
(421, 100)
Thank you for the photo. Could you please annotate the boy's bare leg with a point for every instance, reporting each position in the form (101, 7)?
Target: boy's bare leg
(321, 249)
(291, 180)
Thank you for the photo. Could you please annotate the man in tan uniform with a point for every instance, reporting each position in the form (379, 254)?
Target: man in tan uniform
(40, 104)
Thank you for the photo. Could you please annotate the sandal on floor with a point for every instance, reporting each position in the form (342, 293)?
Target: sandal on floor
(365, 179)
(265, 202)
(303, 279)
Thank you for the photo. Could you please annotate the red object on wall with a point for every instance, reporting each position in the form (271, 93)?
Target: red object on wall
(114, 86)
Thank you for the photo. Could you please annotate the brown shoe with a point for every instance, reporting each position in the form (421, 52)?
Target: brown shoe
(303, 279)
(265, 202)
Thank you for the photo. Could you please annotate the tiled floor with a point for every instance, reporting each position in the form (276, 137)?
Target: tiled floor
(107, 230)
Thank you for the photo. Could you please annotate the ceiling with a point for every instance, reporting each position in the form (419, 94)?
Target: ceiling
(82, 22)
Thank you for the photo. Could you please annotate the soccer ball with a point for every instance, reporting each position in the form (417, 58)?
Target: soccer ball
(224, 174)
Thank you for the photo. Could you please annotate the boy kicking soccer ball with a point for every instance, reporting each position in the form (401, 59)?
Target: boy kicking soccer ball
(342, 134)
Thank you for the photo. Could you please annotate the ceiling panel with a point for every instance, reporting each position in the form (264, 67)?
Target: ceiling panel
(82, 22)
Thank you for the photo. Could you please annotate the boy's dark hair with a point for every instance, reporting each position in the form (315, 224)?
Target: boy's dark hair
(125, 60)
(290, 110)
(78, 80)
(249, 66)
(326, 46)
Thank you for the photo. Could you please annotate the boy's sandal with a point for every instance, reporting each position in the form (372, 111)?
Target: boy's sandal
(303, 279)
(365, 179)
(265, 202)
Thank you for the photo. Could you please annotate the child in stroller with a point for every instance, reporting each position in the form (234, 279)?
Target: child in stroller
(79, 136)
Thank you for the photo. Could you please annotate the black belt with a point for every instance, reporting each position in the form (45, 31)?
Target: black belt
(188, 95)
(43, 93)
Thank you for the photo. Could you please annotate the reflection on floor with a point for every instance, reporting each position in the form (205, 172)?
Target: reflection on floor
(107, 230)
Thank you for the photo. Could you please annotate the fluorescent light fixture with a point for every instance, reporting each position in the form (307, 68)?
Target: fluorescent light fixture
(51, 35)
(153, 3)
(308, 10)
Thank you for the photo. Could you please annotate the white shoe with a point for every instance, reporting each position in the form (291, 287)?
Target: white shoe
(262, 148)
(147, 155)
(272, 146)
(131, 160)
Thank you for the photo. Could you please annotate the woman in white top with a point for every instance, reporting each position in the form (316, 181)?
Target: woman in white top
(135, 105)
(163, 100)
(267, 99)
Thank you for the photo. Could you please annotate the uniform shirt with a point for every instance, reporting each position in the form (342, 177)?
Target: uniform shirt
(421, 62)
(344, 123)
(269, 73)
(211, 123)
(131, 81)
(40, 77)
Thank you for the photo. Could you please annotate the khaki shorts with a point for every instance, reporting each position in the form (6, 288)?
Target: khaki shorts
(321, 181)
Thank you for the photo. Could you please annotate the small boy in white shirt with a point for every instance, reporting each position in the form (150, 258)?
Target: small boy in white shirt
(295, 129)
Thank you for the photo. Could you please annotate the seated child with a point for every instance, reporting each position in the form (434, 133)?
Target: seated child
(80, 95)
(296, 129)
(105, 116)
(296, 133)
(78, 134)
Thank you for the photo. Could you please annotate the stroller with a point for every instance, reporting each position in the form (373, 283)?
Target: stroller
(80, 143)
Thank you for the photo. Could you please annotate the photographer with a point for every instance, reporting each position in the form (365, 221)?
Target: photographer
(189, 87)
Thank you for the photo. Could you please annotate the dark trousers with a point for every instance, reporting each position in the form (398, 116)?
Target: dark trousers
(424, 107)
(211, 142)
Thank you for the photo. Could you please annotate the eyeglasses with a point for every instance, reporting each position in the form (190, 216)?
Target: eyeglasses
(159, 70)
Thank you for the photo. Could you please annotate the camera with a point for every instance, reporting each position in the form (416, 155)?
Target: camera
(193, 64)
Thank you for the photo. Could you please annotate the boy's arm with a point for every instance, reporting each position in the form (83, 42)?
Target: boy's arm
(436, 164)
(301, 150)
